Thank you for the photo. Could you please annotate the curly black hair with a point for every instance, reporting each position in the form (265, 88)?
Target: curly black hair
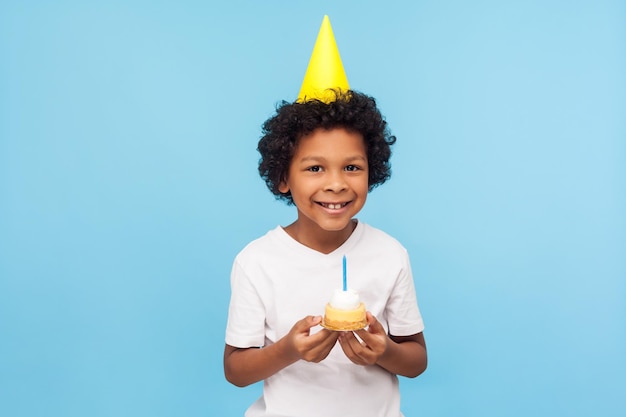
(351, 110)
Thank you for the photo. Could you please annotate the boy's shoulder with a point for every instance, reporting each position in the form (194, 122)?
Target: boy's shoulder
(385, 239)
(265, 244)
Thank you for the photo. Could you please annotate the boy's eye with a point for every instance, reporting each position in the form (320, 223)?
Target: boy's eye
(315, 168)
(352, 168)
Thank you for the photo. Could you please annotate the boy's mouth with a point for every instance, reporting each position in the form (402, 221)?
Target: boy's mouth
(332, 206)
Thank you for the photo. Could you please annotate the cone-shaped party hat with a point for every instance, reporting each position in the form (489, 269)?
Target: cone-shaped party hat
(325, 70)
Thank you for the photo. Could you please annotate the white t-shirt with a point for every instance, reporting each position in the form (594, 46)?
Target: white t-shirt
(277, 281)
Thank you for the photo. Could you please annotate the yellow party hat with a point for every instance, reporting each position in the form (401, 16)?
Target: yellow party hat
(325, 71)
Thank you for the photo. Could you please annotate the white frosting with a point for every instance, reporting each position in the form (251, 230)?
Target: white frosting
(345, 300)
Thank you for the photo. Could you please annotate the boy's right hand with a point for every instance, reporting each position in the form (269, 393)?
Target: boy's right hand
(245, 366)
(310, 347)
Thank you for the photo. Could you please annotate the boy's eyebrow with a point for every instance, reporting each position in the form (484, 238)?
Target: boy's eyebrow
(321, 158)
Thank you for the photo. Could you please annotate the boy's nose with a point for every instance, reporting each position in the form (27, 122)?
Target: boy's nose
(335, 183)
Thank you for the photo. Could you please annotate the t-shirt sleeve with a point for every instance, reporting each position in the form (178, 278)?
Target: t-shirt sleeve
(246, 314)
(403, 315)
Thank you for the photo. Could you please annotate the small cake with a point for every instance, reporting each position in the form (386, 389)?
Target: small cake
(345, 311)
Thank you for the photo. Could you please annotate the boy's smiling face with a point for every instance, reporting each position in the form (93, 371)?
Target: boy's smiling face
(328, 181)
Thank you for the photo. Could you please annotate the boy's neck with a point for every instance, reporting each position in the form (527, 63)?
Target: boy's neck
(318, 239)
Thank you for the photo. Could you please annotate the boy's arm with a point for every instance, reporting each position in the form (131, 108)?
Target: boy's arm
(245, 366)
(401, 355)
(405, 355)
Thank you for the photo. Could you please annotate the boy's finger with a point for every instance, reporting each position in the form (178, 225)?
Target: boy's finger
(308, 322)
(373, 322)
(374, 327)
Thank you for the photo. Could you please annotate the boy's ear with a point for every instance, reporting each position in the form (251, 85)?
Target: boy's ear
(283, 187)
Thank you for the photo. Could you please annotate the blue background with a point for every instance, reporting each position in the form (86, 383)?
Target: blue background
(128, 183)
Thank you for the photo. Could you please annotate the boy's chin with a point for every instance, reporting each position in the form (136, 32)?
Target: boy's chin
(336, 227)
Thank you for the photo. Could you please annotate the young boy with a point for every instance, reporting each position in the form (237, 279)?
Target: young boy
(323, 154)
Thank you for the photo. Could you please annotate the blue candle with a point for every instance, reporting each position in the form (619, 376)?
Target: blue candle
(345, 278)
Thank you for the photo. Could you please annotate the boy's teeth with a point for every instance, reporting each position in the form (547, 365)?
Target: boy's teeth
(334, 206)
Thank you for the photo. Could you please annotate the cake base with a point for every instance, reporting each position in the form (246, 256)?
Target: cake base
(346, 328)
(344, 320)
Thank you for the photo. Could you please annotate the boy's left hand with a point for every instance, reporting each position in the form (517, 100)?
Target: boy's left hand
(372, 347)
